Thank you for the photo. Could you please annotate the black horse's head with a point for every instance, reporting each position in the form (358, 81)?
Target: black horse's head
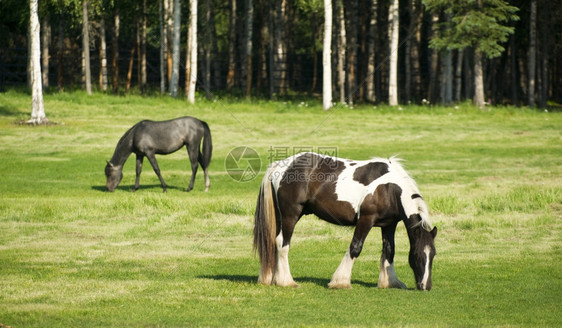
(422, 251)
(114, 174)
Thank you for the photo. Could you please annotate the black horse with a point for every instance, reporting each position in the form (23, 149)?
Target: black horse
(148, 138)
(364, 194)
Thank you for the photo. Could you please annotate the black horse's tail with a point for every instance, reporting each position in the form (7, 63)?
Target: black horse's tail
(265, 227)
(207, 150)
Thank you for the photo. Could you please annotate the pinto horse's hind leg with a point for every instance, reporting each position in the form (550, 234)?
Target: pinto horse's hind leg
(282, 275)
(387, 276)
(152, 160)
(342, 276)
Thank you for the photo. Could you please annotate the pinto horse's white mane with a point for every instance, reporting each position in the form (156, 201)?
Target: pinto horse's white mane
(410, 188)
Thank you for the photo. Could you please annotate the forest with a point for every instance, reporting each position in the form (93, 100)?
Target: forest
(420, 51)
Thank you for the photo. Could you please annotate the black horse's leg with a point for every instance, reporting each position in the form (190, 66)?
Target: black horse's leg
(139, 170)
(193, 152)
(205, 171)
(342, 276)
(152, 160)
(387, 276)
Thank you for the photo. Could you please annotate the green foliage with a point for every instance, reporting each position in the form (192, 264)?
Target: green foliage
(473, 23)
(72, 255)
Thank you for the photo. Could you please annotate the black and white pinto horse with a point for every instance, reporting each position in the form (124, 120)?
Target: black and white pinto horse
(148, 138)
(364, 194)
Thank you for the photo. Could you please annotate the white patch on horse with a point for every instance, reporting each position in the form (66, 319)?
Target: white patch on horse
(388, 277)
(342, 276)
(427, 251)
(348, 189)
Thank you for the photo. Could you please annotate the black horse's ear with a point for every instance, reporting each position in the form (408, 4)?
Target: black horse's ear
(434, 232)
(109, 163)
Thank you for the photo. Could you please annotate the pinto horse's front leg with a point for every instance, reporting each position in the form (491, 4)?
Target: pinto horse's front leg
(387, 276)
(342, 276)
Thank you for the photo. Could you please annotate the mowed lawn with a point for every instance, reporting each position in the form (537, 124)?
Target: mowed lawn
(73, 255)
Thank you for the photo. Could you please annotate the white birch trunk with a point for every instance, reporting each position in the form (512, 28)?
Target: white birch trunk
(393, 37)
(103, 56)
(37, 109)
(193, 47)
(86, 48)
(326, 57)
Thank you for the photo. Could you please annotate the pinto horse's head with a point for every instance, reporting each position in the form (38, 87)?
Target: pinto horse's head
(114, 174)
(422, 251)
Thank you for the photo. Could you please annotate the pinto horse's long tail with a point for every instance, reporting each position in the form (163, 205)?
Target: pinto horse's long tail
(207, 146)
(265, 226)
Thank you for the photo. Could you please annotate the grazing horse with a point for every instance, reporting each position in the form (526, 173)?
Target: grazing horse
(364, 194)
(148, 138)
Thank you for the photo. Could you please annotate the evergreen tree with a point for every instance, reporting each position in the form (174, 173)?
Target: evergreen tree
(478, 24)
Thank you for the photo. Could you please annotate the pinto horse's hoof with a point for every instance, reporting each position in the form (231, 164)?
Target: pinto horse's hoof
(340, 285)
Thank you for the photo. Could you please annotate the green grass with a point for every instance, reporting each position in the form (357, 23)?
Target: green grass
(72, 255)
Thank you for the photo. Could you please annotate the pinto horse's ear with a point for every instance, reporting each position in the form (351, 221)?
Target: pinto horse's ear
(434, 232)
(109, 163)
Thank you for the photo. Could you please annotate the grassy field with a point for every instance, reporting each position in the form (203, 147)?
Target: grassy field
(73, 255)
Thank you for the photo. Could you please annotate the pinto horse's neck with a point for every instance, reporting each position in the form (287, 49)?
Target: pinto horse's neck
(124, 148)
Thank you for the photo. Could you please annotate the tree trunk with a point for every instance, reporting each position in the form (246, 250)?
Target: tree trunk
(416, 21)
(352, 51)
(163, 45)
(103, 56)
(342, 45)
(248, 47)
(207, 45)
(478, 79)
(393, 28)
(60, 56)
(447, 80)
(176, 50)
(142, 62)
(264, 22)
(514, 80)
(37, 109)
(193, 47)
(46, 42)
(169, 10)
(87, 79)
(434, 60)
(532, 59)
(326, 57)
(115, 46)
(280, 47)
(130, 70)
(231, 46)
(371, 46)
(458, 75)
